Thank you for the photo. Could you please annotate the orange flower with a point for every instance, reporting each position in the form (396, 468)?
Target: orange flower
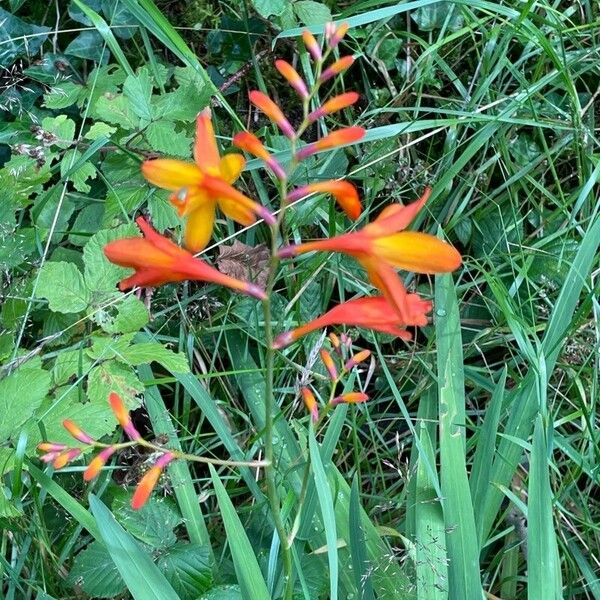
(334, 139)
(350, 398)
(272, 111)
(97, 463)
(77, 433)
(292, 77)
(65, 457)
(336, 103)
(199, 188)
(311, 45)
(157, 260)
(149, 481)
(329, 364)
(336, 68)
(357, 359)
(335, 35)
(311, 404)
(122, 416)
(370, 313)
(382, 246)
(250, 143)
(343, 191)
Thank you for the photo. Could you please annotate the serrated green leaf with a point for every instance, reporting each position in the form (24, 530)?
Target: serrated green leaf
(95, 573)
(117, 109)
(79, 176)
(98, 130)
(266, 8)
(152, 524)
(62, 95)
(62, 284)
(70, 363)
(131, 316)
(312, 13)
(112, 376)
(162, 137)
(30, 383)
(148, 352)
(138, 90)
(86, 222)
(187, 568)
(62, 127)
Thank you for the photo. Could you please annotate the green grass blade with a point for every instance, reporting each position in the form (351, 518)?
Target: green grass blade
(484, 454)
(326, 503)
(143, 578)
(430, 548)
(250, 577)
(461, 537)
(543, 563)
(358, 550)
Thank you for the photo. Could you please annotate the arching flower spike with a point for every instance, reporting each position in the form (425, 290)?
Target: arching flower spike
(250, 143)
(202, 186)
(334, 105)
(382, 246)
(157, 260)
(343, 191)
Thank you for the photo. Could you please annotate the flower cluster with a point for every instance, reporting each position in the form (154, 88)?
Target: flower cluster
(60, 454)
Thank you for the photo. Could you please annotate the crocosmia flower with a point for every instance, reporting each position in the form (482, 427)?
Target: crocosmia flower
(383, 246)
(344, 192)
(374, 313)
(199, 187)
(149, 481)
(157, 260)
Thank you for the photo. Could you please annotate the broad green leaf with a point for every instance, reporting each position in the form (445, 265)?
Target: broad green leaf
(131, 315)
(80, 175)
(187, 568)
(21, 393)
(86, 224)
(62, 284)
(118, 110)
(153, 524)
(111, 376)
(138, 90)
(267, 8)
(162, 137)
(312, 13)
(19, 38)
(148, 352)
(88, 45)
(69, 363)
(249, 575)
(62, 128)
(98, 130)
(142, 577)
(223, 592)
(62, 95)
(94, 571)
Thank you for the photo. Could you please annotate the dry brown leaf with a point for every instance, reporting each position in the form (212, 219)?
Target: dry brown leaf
(250, 263)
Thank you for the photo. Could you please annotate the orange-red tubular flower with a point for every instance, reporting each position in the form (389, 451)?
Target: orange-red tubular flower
(97, 463)
(272, 111)
(350, 398)
(122, 416)
(77, 432)
(250, 143)
(196, 194)
(332, 140)
(357, 359)
(292, 77)
(157, 260)
(343, 191)
(66, 457)
(311, 45)
(370, 313)
(311, 404)
(329, 364)
(382, 246)
(336, 68)
(334, 105)
(149, 481)
(336, 35)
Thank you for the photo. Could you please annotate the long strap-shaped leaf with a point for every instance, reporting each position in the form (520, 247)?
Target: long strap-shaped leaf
(143, 578)
(461, 537)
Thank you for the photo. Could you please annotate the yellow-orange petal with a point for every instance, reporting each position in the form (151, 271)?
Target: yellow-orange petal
(272, 111)
(357, 359)
(311, 404)
(292, 77)
(171, 174)
(206, 151)
(311, 45)
(231, 166)
(199, 226)
(417, 252)
(97, 463)
(348, 135)
(350, 398)
(77, 432)
(336, 68)
(145, 487)
(344, 192)
(396, 217)
(334, 105)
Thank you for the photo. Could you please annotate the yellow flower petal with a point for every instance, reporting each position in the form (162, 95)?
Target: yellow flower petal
(417, 252)
(199, 226)
(231, 166)
(171, 174)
